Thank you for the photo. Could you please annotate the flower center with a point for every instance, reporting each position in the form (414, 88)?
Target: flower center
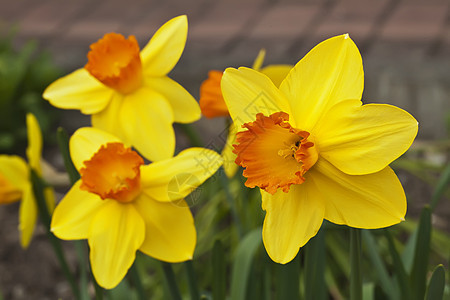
(273, 153)
(116, 62)
(113, 173)
(8, 192)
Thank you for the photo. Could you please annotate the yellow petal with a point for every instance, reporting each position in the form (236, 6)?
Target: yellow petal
(185, 108)
(248, 92)
(73, 215)
(169, 229)
(78, 90)
(175, 178)
(363, 201)
(107, 119)
(164, 49)
(291, 220)
(329, 73)
(259, 60)
(116, 233)
(85, 142)
(15, 170)
(364, 139)
(27, 216)
(34, 149)
(229, 165)
(146, 119)
(276, 73)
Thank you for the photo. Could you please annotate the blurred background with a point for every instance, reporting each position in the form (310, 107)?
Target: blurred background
(405, 45)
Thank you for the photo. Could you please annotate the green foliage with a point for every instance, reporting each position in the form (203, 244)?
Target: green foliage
(24, 74)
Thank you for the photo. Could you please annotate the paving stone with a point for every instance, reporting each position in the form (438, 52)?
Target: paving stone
(358, 18)
(223, 23)
(417, 21)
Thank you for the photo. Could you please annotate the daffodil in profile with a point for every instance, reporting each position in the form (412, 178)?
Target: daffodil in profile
(128, 92)
(314, 150)
(120, 205)
(213, 105)
(15, 182)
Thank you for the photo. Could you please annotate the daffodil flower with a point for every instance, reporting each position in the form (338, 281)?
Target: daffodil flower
(128, 93)
(314, 150)
(121, 205)
(213, 105)
(15, 183)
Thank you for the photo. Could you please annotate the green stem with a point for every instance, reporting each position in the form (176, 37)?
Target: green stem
(38, 189)
(137, 281)
(171, 282)
(63, 144)
(355, 264)
(193, 288)
(192, 135)
(288, 279)
(225, 185)
(192, 281)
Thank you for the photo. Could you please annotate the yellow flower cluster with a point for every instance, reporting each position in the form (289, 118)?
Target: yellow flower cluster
(300, 132)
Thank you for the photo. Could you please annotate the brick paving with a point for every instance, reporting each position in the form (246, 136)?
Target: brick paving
(405, 43)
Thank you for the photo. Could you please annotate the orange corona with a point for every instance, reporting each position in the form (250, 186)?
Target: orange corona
(113, 173)
(115, 61)
(273, 153)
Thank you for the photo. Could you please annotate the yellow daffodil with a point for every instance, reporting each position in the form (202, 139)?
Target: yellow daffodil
(128, 93)
(213, 105)
(121, 205)
(15, 183)
(314, 150)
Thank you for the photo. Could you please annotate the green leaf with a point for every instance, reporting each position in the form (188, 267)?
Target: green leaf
(242, 262)
(436, 286)
(314, 278)
(219, 282)
(288, 279)
(368, 291)
(421, 255)
(441, 187)
(403, 280)
(378, 264)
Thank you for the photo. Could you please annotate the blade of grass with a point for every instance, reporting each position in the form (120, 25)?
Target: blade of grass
(436, 286)
(242, 262)
(219, 271)
(378, 264)
(422, 253)
(314, 278)
(441, 187)
(403, 280)
(355, 264)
